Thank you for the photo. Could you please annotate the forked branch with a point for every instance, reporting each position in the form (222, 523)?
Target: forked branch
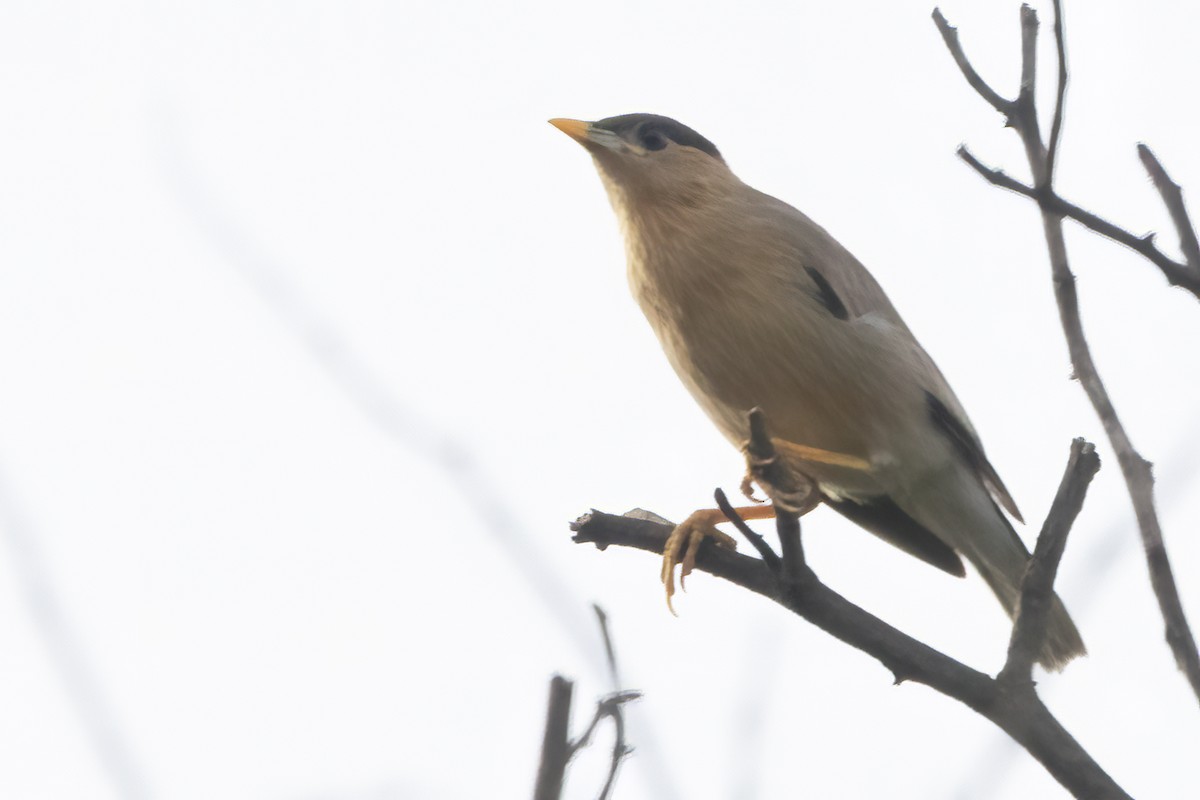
(1037, 588)
(1011, 704)
(1022, 116)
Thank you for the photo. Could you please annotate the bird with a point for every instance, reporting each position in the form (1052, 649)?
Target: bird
(757, 306)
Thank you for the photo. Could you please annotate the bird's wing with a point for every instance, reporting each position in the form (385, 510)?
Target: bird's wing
(848, 291)
(882, 517)
(958, 430)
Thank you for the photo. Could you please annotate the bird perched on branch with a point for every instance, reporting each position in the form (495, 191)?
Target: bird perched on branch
(757, 305)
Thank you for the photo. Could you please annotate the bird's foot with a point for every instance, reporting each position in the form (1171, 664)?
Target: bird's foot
(684, 543)
(747, 487)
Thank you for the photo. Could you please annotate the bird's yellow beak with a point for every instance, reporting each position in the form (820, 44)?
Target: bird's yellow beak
(594, 138)
(577, 129)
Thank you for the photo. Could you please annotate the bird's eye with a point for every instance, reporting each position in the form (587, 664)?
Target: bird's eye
(652, 139)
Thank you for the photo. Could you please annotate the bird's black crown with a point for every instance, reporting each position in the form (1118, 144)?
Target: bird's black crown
(651, 131)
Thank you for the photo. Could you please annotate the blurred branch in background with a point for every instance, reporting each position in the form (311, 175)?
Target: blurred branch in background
(66, 652)
(404, 426)
(558, 748)
(610, 653)
(1010, 701)
(370, 393)
(1021, 115)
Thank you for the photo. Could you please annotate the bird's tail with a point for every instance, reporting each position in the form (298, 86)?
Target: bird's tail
(963, 515)
(1063, 642)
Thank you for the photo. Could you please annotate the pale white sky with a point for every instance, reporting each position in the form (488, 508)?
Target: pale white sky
(315, 337)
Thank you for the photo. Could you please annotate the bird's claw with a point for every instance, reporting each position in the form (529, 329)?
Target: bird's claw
(747, 488)
(683, 545)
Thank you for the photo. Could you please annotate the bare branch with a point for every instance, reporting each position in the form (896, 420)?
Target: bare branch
(997, 177)
(619, 749)
(556, 748)
(755, 539)
(609, 708)
(1060, 43)
(1136, 470)
(1176, 274)
(1014, 707)
(905, 657)
(950, 37)
(1029, 31)
(1172, 197)
(610, 652)
(1037, 588)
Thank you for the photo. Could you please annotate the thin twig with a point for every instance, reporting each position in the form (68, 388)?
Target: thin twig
(755, 539)
(1172, 197)
(556, 747)
(950, 37)
(1037, 588)
(1060, 93)
(619, 749)
(610, 652)
(608, 708)
(1136, 470)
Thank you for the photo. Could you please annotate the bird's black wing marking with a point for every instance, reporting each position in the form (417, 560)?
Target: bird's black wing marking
(882, 517)
(971, 451)
(828, 297)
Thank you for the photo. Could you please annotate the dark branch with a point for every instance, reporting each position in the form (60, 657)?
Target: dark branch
(609, 708)
(1172, 197)
(1012, 705)
(755, 539)
(907, 658)
(1136, 470)
(1037, 588)
(556, 748)
(1015, 708)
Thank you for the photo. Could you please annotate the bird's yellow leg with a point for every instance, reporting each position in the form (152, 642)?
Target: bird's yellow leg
(684, 542)
(817, 455)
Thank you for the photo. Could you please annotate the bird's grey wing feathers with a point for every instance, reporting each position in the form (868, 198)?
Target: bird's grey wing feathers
(848, 291)
(837, 278)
